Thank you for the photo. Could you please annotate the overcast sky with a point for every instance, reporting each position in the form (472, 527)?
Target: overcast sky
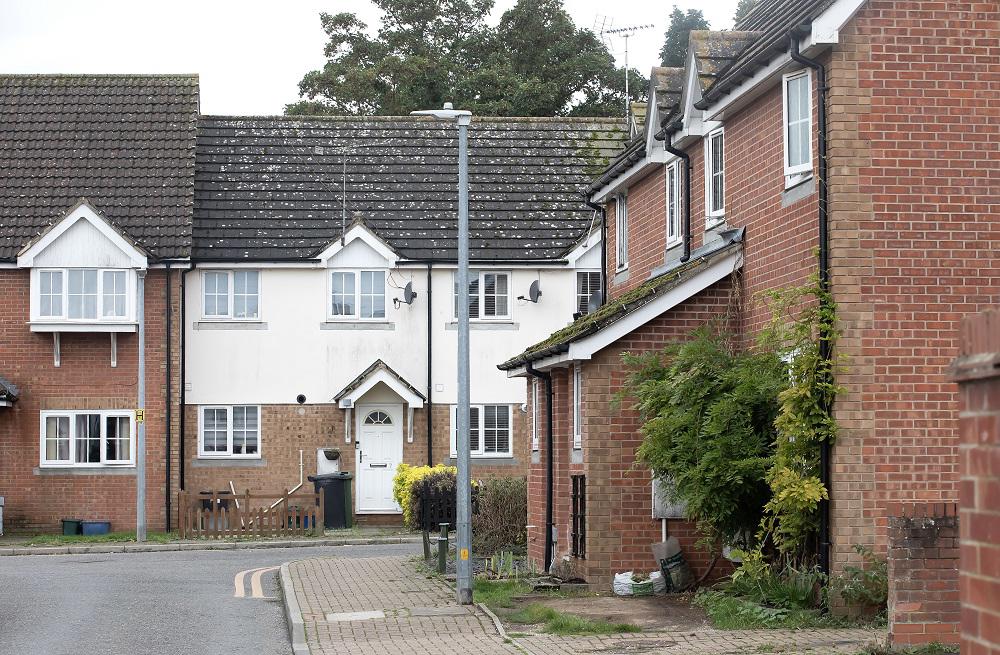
(250, 53)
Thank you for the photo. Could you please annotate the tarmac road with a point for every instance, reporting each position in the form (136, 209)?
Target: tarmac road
(198, 602)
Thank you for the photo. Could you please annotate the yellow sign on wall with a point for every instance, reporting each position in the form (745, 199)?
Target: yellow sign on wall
(140, 415)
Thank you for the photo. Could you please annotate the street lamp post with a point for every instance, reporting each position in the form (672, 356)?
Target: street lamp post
(464, 482)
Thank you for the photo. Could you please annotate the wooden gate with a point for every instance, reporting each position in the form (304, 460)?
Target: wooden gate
(218, 515)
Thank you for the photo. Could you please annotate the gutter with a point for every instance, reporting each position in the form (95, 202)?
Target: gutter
(824, 283)
(604, 245)
(549, 467)
(669, 147)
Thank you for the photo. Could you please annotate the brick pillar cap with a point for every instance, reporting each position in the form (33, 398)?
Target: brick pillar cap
(979, 348)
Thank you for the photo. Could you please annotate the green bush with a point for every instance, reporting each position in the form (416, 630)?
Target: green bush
(402, 487)
(501, 518)
(764, 583)
(865, 586)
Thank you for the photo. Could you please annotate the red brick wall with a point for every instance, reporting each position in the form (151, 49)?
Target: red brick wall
(978, 372)
(923, 574)
(36, 500)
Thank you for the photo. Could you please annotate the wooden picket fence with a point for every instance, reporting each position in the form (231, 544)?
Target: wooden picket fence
(218, 515)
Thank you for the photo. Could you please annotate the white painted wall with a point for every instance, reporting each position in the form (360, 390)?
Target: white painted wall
(293, 355)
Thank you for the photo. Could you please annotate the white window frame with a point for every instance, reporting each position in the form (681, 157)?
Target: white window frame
(71, 415)
(230, 295)
(799, 172)
(63, 316)
(580, 297)
(577, 406)
(480, 275)
(228, 454)
(481, 451)
(356, 316)
(673, 199)
(714, 216)
(534, 414)
(621, 231)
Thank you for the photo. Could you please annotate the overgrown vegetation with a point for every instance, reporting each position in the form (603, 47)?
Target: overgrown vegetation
(111, 537)
(865, 586)
(934, 648)
(500, 521)
(498, 594)
(560, 623)
(405, 481)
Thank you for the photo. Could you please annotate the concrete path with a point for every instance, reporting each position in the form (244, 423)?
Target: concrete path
(178, 603)
(383, 606)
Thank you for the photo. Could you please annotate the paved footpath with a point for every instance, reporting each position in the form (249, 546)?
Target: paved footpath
(383, 606)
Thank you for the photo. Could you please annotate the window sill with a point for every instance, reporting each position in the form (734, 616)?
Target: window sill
(83, 326)
(498, 460)
(712, 222)
(230, 325)
(223, 462)
(620, 277)
(357, 325)
(798, 191)
(485, 325)
(124, 469)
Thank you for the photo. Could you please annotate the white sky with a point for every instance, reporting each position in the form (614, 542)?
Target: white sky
(250, 54)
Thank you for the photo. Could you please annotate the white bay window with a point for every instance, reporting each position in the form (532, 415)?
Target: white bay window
(82, 295)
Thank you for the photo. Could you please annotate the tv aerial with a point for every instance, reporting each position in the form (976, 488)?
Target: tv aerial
(626, 32)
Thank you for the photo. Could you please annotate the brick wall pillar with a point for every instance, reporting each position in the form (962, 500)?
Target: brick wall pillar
(923, 574)
(977, 370)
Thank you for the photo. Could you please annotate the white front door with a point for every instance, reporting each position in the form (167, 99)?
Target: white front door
(378, 451)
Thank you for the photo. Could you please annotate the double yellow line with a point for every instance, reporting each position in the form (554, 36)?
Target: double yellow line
(255, 589)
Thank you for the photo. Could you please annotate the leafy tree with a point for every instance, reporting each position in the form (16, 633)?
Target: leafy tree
(742, 9)
(535, 62)
(709, 415)
(675, 44)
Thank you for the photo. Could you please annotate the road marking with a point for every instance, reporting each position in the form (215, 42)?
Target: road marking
(255, 588)
(240, 579)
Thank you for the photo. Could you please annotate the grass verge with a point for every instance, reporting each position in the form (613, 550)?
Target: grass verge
(558, 623)
(497, 595)
(110, 538)
(735, 613)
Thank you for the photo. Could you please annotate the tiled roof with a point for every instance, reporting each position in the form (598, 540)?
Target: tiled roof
(124, 142)
(377, 365)
(666, 85)
(270, 187)
(715, 50)
(618, 308)
(773, 21)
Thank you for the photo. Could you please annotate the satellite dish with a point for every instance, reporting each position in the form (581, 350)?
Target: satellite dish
(595, 301)
(408, 293)
(534, 292)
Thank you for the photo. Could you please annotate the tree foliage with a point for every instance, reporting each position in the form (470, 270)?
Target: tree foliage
(675, 43)
(709, 415)
(535, 62)
(742, 9)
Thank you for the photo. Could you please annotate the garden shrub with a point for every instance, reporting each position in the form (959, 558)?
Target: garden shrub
(402, 487)
(441, 481)
(501, 518)
(865, 586)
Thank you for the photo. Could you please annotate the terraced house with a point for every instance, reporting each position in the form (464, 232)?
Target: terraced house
(860, 130)
(298, 286)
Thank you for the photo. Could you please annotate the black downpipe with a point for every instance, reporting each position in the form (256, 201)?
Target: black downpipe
(669, 147)
(549, 440)
(183, 397)
(430, 377)
(824, 283)
(604, 246)
(169, 312)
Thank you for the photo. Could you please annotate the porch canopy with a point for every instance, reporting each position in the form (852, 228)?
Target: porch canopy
(379, 371)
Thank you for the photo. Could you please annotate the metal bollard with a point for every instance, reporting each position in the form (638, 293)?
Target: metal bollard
(443, 549)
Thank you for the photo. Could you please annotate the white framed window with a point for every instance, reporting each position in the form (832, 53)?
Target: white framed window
(83, 294)
(357, 295)
(577, 406)
(229, 431)
(715, 177)
(587, 284)
(87, 438)
(797, 96)
(231, 295)
(489, 430)
(534, 413)
(673, 202)
(489, 296)
(621, 232)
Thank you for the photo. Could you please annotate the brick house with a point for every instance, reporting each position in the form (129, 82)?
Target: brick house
(96, 199)
(911, 237)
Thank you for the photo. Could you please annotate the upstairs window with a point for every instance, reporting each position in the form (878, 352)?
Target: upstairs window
(798, 126)
(83, 294)
(715, 177)
(489, 295)
(231, 294)
(87, 438)
(587, 284)
(621, 232)
(673, 202)
(357, 295)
